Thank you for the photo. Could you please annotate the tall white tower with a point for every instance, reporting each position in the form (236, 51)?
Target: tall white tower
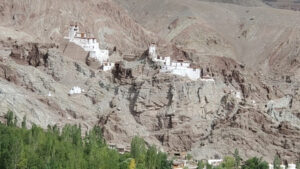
(74, 29)
(152, 51)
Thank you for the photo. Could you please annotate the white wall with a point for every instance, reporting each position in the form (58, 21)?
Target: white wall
(177, 68)
(215, 162)
(89, 45)
(75, 90)
(73, 31)
(193, 74)
(108, 66)
(152, 51)
(291, 166)
(163, 61)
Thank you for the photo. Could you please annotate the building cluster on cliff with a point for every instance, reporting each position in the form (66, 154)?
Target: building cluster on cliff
(90, 45)
(178, 67)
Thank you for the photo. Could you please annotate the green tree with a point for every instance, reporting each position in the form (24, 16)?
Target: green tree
(9, 118)
(189, 156)
(255, 163)
(151, 156)
(124, 164)
(138, 151)
(208, 166)
(162, 161)
(10, 147)
(200, 165)
(237, 159)
(36, 148)
(15, 121)
(276, 162)
(298, 165)
(132, 164)
(24, 122)
(228, 163)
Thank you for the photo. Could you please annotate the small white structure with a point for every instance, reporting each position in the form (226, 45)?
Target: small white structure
(152, 51)
(89, 44)
(180, 67)
(49, 94)
(238, 95)
(292, 166)
(75, 90)
(107, 66)
(215, 162)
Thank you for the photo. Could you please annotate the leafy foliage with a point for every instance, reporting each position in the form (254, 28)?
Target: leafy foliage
(200, 165)
(228, 163)
(189, 156)
(51, 149)
(298, 165)
(255, 163)
(237, 159)
(276, 162)
(132, 164)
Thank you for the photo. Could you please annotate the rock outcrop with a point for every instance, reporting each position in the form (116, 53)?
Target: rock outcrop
(251, 104)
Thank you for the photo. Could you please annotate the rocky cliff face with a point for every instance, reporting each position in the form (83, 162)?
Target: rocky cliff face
(284, 4)
(254, 109)
(48, 21)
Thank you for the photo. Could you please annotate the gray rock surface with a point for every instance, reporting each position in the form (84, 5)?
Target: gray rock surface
(252, 105)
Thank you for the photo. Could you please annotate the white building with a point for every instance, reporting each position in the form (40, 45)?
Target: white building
(107, 66)
(88, 44)
(152, 51)
(282, 166)
(215, 162)
(290, 166)
(76, 90)
(179, 67)
(182, 69)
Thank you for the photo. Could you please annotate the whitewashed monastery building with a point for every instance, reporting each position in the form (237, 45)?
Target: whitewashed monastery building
(179, 67)
(90, 45)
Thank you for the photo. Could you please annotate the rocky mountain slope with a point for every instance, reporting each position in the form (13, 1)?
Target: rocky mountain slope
(284, 4)
(49, 21)
(251, 52)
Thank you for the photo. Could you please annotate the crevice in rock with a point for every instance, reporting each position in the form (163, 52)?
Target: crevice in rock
(134, 92)
(170, 96)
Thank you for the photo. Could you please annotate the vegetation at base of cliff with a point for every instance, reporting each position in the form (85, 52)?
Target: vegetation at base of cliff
(35, 148)
(235, 163)
(232, 163)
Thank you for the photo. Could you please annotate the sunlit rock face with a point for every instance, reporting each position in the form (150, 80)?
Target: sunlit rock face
(248, 58)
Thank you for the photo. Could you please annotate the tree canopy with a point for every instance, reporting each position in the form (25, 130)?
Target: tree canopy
(255, 163)
(36, 148)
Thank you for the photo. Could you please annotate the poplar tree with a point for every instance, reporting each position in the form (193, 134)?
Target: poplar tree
(151, 157)
(138, 151)
(237, 159)
(24, 122)
(9, 118)
(255, 163)
(200, 165)
(276, 162)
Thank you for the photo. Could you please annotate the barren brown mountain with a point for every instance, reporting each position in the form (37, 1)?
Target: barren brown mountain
(249, 48)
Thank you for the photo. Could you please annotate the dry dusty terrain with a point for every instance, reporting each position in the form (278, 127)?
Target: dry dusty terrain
(250, 49)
